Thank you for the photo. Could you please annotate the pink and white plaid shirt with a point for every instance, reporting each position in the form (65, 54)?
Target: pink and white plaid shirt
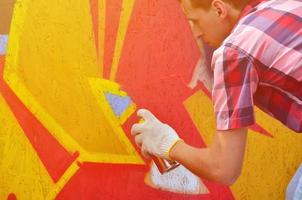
(260, 63)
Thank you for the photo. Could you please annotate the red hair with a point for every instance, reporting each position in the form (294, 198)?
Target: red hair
(206, 4)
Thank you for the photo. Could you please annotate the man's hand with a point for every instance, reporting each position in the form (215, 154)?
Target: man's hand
(153, 136)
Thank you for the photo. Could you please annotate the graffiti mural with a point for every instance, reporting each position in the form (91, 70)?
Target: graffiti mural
(73, 74)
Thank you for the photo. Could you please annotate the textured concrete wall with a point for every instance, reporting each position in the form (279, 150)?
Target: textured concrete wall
(72, 76)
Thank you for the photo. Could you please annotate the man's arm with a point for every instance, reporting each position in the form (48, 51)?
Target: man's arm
(221, 162)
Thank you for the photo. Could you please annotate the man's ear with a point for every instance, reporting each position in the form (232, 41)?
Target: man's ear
(220, 8)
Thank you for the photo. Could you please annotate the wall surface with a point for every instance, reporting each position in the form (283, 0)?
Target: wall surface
(73, 73)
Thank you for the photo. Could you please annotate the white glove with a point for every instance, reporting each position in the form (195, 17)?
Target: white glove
(153, 136)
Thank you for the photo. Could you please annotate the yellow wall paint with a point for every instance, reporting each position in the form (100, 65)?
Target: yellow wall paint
(127, 7)
(61, 65)
(270, 162)
(101, 34)
(201, 111)
(21, 170)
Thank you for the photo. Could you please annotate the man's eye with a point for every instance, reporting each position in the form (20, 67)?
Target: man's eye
(193, 21)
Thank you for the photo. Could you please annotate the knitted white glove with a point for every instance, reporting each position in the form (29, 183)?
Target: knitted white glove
(153, 136)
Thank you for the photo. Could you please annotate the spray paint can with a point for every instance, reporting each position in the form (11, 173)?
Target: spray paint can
(163, 165)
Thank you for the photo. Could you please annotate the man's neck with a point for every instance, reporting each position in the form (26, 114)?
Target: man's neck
(249, 7)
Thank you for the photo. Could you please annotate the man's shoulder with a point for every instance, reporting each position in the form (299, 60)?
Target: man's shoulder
(271, 13)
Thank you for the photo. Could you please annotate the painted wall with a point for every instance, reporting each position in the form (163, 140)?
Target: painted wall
(73, 73)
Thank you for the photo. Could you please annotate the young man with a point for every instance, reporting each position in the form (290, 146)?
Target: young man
(258, 61)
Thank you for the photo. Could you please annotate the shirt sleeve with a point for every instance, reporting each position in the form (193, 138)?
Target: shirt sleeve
(235, 81)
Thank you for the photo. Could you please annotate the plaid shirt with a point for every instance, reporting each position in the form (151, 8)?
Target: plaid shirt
(260, 63)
